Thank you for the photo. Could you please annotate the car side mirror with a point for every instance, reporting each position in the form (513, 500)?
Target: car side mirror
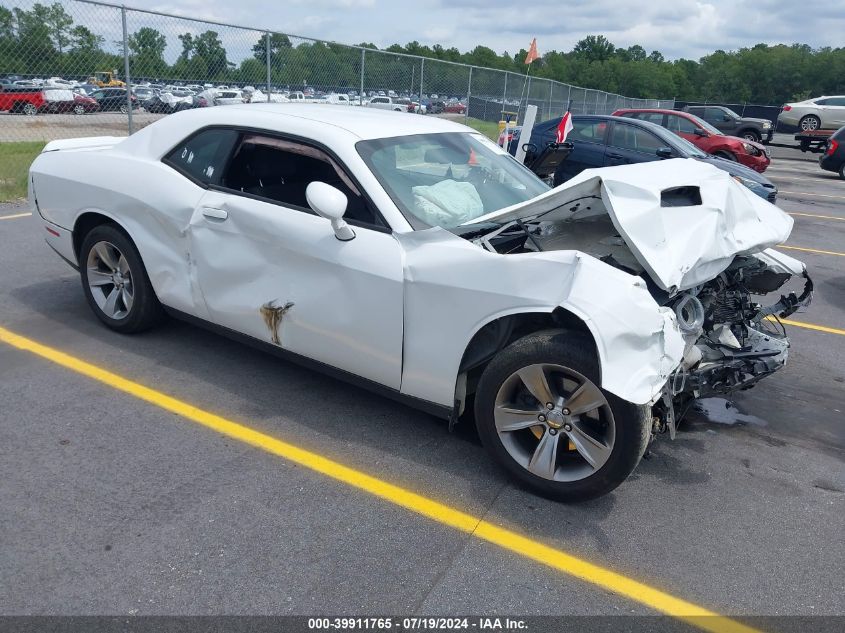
(665, 152)
(330, 203)
(700, 132)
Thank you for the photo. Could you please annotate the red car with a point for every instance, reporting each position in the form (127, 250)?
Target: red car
(56, 101)
(455, 108)
(19, 100)
(704, 136)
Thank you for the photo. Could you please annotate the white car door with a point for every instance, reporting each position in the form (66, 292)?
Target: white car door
(268, 267)
(834, 114)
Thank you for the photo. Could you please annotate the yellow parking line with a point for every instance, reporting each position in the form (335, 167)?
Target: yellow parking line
(808, 326)
(807, 193)
(424, 506)
(814, 215)
(16, 215)
(811, 250)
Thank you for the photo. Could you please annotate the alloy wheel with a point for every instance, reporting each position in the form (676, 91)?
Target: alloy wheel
(110, 280)
(555, 422)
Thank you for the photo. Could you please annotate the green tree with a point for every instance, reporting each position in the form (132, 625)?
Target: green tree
(595, 48)
(146, 47)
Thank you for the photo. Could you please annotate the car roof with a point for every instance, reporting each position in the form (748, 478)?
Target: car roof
(655, 110)
(334, 126)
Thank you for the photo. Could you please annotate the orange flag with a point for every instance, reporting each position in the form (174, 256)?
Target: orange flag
(532, 52)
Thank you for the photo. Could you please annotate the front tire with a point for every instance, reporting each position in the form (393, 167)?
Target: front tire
(751, 135)
(79, 109)
(115, 281)
(542, 415)
(842, 171)
(29, 109)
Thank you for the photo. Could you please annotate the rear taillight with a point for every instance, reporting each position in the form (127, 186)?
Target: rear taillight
(787, 108)
(831, 147)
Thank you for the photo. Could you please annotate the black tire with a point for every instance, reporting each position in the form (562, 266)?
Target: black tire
(750, 135)
(809, 123)
(842, 171)
(124, 109)
(79, 109)
(576, 351)
(726, 155)
(146, 311)
(29, 109)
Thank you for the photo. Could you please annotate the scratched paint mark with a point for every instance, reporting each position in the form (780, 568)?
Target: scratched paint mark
(272, 313)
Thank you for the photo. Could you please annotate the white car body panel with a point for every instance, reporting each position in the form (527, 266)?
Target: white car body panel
(681, 247)
(284, 255)
(398, 308)
(638, 343)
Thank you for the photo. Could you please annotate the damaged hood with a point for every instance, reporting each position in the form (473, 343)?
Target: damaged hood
(679, 246)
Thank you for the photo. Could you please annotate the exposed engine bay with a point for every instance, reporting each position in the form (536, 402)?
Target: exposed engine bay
(733, 339)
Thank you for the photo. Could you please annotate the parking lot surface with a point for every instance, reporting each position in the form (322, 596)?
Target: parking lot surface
(116, 505)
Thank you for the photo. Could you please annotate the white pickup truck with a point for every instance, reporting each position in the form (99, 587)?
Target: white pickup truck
(386, 103)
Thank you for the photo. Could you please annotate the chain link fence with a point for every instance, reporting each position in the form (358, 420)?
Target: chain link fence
(87, 68)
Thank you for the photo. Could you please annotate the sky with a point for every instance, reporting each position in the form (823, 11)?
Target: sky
(677, 28)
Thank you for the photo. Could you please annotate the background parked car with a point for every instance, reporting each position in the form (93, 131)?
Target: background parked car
(21, 100)
(833, 158)
(386, 103)
(605, 141)
(456, 108)
(729, 122)
(113, 99)
(814, 114)
(63, 100)
(704, 136)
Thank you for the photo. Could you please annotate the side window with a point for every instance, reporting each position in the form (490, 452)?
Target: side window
(203, 156)
(680, 125)
(591, 131)
(836, 101)
(713, 115)
(97, 94)
(635, 138)
(822, 101)
(652, 117)
(281, 170)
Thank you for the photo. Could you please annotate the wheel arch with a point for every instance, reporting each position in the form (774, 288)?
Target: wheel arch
(501, 330)
(88, 221)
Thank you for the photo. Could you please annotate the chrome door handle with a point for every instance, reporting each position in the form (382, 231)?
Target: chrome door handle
(214, 213)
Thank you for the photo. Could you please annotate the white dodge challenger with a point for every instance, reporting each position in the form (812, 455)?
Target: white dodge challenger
(414, 256)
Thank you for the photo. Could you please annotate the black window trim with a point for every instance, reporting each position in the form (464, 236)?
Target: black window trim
(245, 129)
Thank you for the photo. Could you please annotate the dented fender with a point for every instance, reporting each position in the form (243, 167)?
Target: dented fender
(638, 342)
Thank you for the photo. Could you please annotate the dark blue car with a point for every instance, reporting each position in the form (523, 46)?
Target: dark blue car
(605, 141)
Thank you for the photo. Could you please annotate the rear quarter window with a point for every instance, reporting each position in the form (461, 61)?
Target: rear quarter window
(202, 157)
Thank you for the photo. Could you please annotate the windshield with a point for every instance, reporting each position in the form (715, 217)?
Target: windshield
(447, 179)
(690, 149)
(706, 126)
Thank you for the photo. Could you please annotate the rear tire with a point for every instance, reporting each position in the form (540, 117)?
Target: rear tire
(29, 109)
(115, 281)
(809, 123)
(842, 171)
(79, 109)
(568, 454)
(124, 108)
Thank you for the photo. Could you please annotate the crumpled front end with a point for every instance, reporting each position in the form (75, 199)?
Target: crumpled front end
(734, 336)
